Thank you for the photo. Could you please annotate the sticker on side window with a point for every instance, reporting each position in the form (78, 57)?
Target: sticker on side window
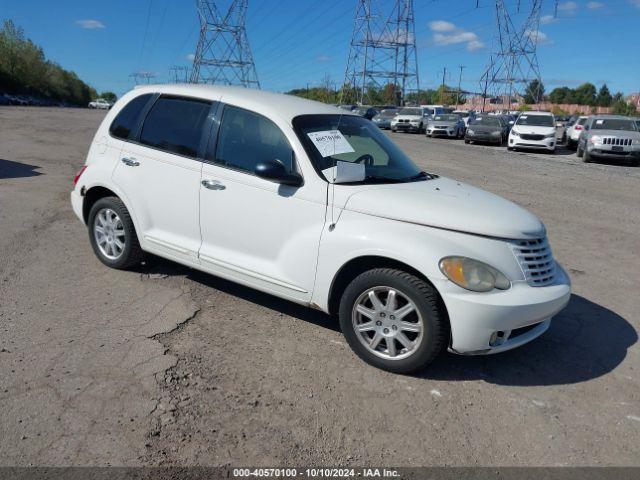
(330, 142)
(599, 122)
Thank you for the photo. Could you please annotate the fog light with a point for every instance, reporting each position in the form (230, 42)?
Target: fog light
(497, 338)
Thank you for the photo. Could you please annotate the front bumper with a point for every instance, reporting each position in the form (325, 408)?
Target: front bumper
(441, 132)
(405, 127)
(607, 151)
(544, 144)
(518, 315)
(483, 137)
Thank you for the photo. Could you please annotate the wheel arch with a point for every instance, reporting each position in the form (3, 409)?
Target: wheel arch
(361, 264)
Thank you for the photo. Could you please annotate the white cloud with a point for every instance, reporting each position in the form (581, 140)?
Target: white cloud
(538, 37)
(90, 24)
(447, 33)
(190, 57)
(547, 19)
(568, 6)
(441, 26)
(594, 5)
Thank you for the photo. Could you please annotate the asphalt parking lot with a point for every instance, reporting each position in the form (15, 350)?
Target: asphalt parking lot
(166, 365)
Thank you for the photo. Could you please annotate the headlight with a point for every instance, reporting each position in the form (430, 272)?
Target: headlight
(473, 275)
(496, 134)
(595, 139)
(551, 135)
(636, 141)
(470, 132)
(515, 133)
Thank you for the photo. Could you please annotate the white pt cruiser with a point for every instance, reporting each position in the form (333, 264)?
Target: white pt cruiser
(317, 206)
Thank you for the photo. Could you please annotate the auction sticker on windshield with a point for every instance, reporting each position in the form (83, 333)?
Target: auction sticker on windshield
(330, 142)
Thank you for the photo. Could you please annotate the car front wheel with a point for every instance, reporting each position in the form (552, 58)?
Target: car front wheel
(393, 320)
(112, 234)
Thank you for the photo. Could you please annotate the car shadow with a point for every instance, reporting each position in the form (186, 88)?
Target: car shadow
(11, 169)
(158, 266)
(585, 340)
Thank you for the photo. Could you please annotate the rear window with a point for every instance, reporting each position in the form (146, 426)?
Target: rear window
(175, 125)
(124, 123)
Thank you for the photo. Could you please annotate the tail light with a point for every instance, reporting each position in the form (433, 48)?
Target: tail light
(78, 175)
(578, 127)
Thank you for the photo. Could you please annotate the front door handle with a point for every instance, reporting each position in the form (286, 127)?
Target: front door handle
(131, 162)
(212, 184)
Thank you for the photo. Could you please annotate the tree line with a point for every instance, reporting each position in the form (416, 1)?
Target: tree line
(24, 69)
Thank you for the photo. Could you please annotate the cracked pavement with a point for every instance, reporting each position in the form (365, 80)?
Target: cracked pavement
(164, 365)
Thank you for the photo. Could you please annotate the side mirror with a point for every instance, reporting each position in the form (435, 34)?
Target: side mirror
(275, 171)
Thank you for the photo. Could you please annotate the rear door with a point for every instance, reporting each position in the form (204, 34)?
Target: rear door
(160, 172)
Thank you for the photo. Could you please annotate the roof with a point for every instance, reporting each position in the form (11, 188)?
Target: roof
(267, 103)
(535, 112)
(611, 117)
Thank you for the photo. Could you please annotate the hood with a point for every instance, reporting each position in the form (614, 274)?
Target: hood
(534, 130)
(448, 123)
(485, 128)
(447, 204)
(408, 117)
(615, 133)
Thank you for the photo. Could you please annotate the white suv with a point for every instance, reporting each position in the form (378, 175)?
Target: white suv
(317, 206)
(533, 130)
(100, 104)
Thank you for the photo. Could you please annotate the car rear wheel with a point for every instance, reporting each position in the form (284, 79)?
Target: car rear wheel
(393, 320)
(586, 157)
(579, 152)
(113, 235)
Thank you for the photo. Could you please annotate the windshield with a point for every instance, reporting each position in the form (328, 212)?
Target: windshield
(614, 124)
(365, 144)
(493, 121)
(446, 118)
(411, 111)
(463, 114)
(536, 120)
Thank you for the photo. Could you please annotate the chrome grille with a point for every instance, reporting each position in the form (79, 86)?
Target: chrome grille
(616, 141)
(536, 261)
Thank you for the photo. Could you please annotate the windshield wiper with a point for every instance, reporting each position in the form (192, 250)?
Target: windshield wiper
(420, 176)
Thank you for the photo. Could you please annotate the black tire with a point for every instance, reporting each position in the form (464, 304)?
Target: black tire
(132, 254)
(466, 140)
(579, 152)
(426, 300)
(510, 149)
(586, 156)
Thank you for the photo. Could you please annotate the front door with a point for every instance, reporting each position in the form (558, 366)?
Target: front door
(255, 231)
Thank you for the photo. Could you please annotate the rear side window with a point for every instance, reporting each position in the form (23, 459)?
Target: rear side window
(124, 123)
(246, 139)
(175, 125)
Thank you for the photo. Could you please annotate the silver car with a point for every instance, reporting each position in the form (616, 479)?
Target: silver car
(610, 137)
(446, 125)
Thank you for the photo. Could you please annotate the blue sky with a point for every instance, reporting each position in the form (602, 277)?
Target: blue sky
(296, 42)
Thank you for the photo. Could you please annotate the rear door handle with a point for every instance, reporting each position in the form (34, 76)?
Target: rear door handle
(212, 184)
(130, 162)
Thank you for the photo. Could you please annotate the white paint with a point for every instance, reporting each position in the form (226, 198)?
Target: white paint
(538, 403)
(436, 393)
(635, 418)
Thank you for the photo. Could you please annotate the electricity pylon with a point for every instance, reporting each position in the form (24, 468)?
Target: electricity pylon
(223, 55)
(383, 54)
(514, 60)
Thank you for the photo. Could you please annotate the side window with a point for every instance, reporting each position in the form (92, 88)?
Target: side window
(175, 125)
(246, 138)
(124, 123)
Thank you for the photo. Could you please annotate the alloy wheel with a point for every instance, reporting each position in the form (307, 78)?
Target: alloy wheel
(108, 231)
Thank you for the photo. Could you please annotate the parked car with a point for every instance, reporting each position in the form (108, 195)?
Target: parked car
(100, 104)
(610, 137)
(445, 125)
(4, 100)
(487, 128)
(366, 112)
(573, 131)
(317, 206)
(409, 119)
(383, 118)
(533, 130)
(467, 116)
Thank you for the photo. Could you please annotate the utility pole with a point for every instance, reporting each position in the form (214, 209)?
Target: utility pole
(179, 74)
(514, 61)
(383, 53)
(442, 87)
(223, 55)
(461, 67)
